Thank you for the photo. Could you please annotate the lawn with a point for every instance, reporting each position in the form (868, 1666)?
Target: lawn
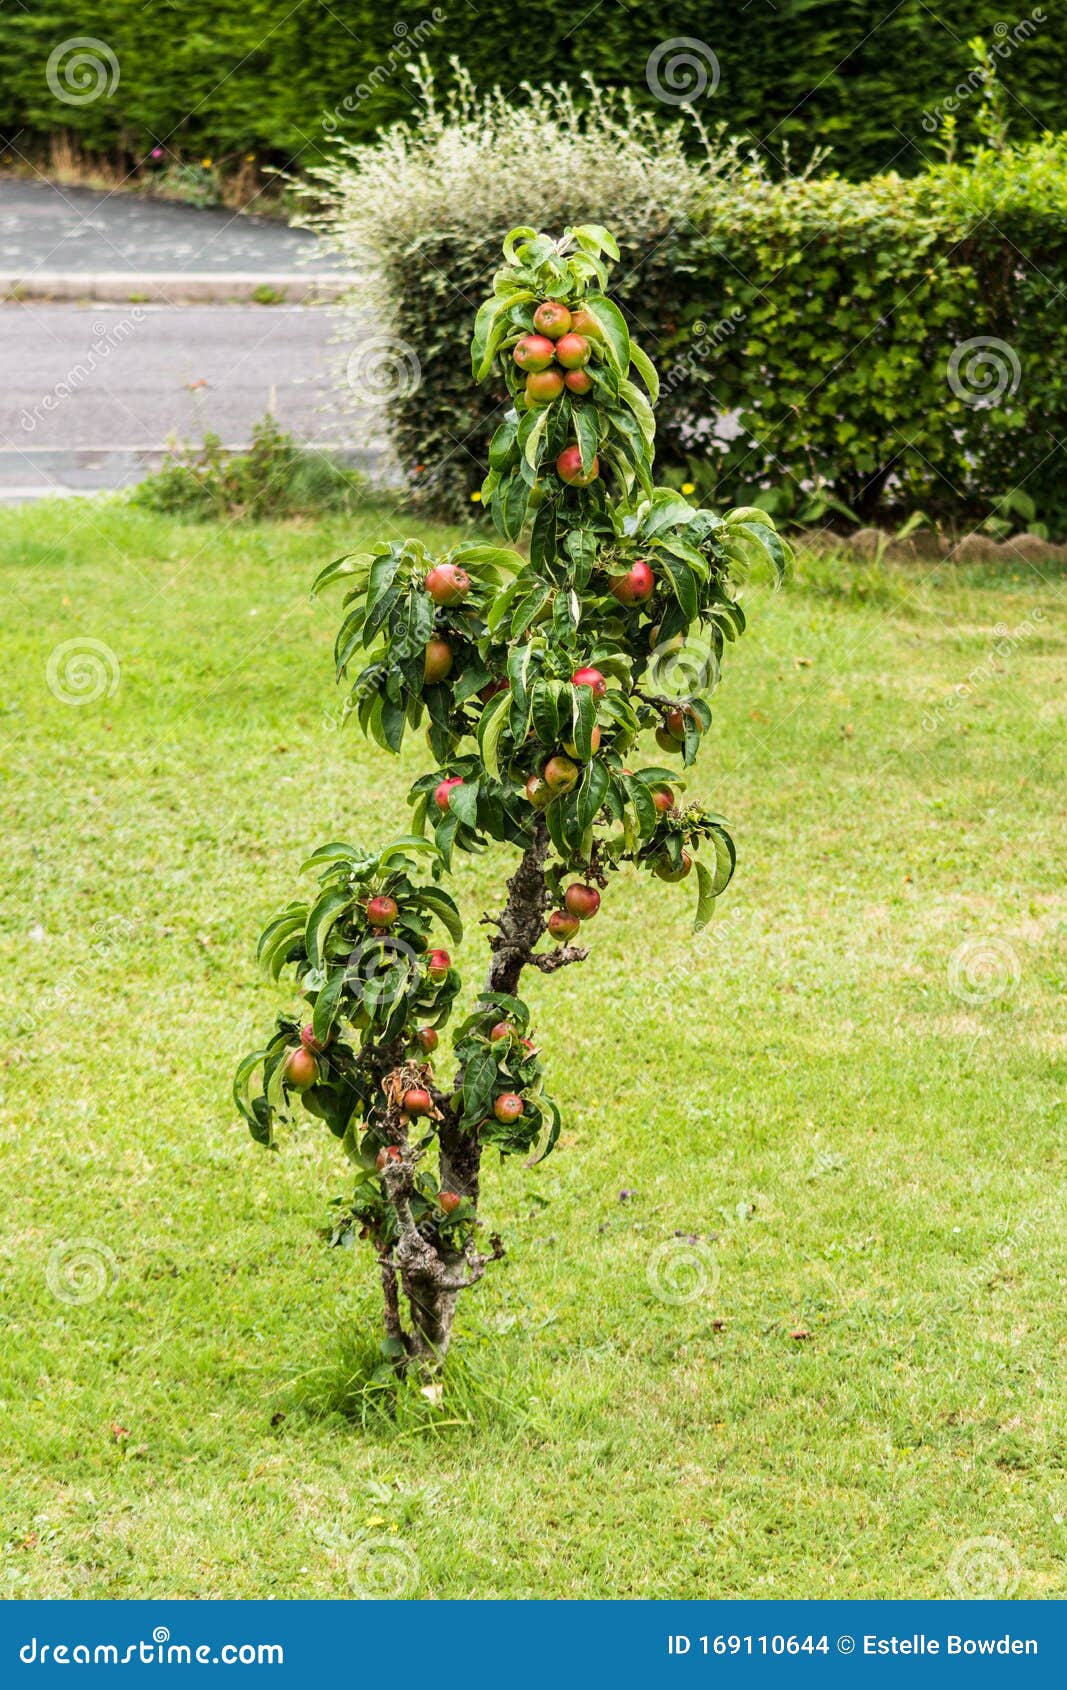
(847, 1092)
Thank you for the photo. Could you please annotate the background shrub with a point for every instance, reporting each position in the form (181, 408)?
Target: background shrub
(275, 478)
(222, 77)
(829, 324)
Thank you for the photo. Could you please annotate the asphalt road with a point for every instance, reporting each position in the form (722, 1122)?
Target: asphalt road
(45, 227)
(92, 392)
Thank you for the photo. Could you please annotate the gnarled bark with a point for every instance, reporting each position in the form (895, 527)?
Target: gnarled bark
(429, 1279)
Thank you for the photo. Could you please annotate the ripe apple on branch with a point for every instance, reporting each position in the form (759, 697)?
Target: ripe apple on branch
(537, 680)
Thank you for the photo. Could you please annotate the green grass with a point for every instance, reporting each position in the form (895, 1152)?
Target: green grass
(865, 1155)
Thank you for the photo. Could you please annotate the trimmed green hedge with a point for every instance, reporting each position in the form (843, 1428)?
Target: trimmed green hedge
(237, 75)
(892, 346)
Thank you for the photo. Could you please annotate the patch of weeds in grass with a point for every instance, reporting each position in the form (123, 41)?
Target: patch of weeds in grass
(275, 478)
(841, 576)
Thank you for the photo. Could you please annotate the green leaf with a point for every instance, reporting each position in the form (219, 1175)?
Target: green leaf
(548, 1138)
(591, 793)
(680, 576)
(240, 1085)
(544, 710)
(493, 722)
(602, 239)
(587, 432)
(534, 438)
(406, 842)
(705, 897)
(327, 1004)
(439, 902)
(583, 720)
(490, 327)
(502, 445)
(641, 409)
(725, 859)
(667, 510)
(543, 538)
(323, 917)
(278, 935)
(479, 1083)
(613, 325)
(510, 503)
(352, 564)
(463, 802)
(646, 370)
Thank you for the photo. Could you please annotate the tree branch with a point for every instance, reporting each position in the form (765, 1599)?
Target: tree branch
(549, 961)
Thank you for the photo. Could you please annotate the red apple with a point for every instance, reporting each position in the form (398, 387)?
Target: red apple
(573, 350)
(389, 1154)
(534, 352)
(442, 791)
(438, 964)
(665, 869)
(578, 381)
(582, 901)
(636, 586)
(490, 690)
(310, 1042)
(426, 1039)
(538, 792)
(382, 911)
(675, 723)
(438, 662)
(300, 1070)
(449, 1201)
(447, 584)
(508, 1107)
(552, 319)
(416, 1101)
(560, 773)
(541, 389)
(590, 678)
(583, 322)
(663, 798)
(572, 750)
(502, 1030)
(569, 468)
(562, 925)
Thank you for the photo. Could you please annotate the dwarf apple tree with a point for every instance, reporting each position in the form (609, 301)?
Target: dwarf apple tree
(536, 672)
